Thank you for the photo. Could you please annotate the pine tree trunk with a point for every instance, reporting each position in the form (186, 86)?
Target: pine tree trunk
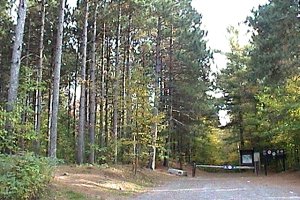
(82, 106)
(16, 57)
(107, 125)
(241, 129)
(126, 79)
(128, 71)
(69, 106)
(26, 98)
(56, 82)
(75, 91)
(102, 103)
(1, 80)
(92, 113)
(116, 87)
(155, 113)
(38, 94)
(158, 66)
(170, 93)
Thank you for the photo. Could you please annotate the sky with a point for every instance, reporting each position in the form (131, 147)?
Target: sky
(218, 15)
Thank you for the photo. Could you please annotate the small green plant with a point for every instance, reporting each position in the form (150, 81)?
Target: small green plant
(24, 177)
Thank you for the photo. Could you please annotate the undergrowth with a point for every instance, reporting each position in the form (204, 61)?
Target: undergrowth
(24, 177)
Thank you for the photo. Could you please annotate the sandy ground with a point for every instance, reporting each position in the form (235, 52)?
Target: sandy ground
(120, 182)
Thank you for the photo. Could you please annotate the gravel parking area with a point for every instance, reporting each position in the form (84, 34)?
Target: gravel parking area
(228, 186)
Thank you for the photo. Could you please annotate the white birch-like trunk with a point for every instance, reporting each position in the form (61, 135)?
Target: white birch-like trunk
(16, 57)
(155, 113)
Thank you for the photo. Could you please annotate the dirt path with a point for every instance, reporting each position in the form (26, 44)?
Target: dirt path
(109, 183)
(119, 182)
(225, 186)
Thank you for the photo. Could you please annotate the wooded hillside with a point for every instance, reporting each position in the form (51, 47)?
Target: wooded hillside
(129, 82)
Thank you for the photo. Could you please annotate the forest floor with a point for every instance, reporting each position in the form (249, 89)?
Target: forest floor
(119, 182)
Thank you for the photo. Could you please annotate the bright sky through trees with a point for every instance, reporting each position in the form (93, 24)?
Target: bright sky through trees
(218, 15)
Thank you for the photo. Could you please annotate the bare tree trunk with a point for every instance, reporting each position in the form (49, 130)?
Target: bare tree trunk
(26, 98)
(75, 91)
(16, 57)
(38, 94)
(56, 82)
(170, 93)
(241, 130)
(135, 139)
(123, 98)
(92, 113)
(128, 74)
(106, 91)
(116, 87)
(1, 80)
(15, 67)
(82, 107)
(126, 79)
(158, 66)
(155, 113)
(102, 118)
(69, 105)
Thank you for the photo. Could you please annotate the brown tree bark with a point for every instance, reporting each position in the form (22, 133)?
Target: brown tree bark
(38, 94)
(116, 86)
(82, 106)
(56, 82)
(92, 107)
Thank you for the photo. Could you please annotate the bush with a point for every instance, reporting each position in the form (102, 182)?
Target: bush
(23, 177)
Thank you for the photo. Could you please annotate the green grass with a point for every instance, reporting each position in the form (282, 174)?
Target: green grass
(74, 195)
(61, 194)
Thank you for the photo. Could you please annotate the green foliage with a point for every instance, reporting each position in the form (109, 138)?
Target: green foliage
(261, 81)
(143, 117)
(210, 145)
(181, 93)
(239, 94)
(24, 177)
(19, 131)
(275, 55)
(66, 135)
(280, 109)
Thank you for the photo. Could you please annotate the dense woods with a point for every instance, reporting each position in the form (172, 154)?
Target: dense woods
(105, 81)
(261, 81)
(129, 82)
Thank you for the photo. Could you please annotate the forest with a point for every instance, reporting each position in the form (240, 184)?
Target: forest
(130, 82)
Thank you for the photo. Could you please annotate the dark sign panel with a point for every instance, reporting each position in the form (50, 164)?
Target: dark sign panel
(247, 158)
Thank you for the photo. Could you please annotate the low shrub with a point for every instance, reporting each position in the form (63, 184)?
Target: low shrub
(24, 177)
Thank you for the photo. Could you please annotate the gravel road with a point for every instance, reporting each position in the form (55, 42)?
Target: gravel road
(229, 187)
